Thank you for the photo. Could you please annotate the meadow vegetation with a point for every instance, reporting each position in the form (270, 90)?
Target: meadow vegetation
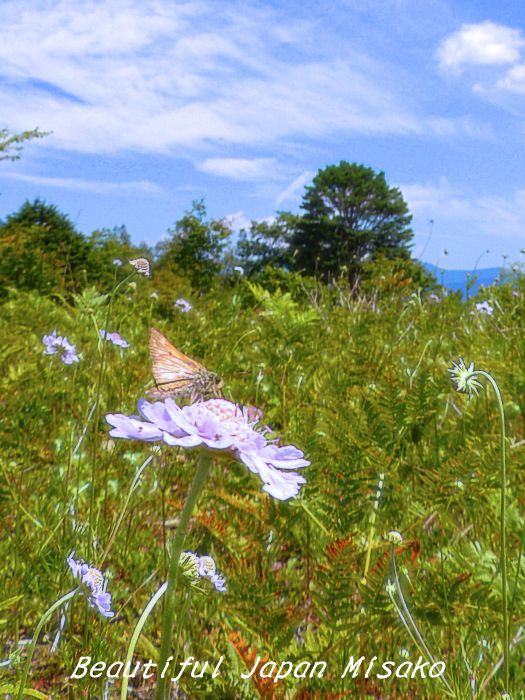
(352, 370)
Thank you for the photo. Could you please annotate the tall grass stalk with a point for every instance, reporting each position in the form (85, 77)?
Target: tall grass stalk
(199, 479)
(410, 624)
(96, 423)
(136, 634)
(45, 617)
(503, 542)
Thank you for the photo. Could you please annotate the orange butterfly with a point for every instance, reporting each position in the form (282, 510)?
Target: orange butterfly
(177, 375)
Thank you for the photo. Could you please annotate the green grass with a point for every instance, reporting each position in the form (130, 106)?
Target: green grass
(360, 384)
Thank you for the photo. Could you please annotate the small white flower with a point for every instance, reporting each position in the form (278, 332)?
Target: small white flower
(393, 536)
(465, 378)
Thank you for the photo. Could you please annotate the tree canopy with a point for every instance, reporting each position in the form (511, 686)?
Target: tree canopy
(194, 246)
(350, 215)
(265, 243)
(41, 249)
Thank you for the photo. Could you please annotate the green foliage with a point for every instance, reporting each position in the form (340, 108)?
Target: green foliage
(194, 247)
(266, 244)
(41, 249)
(359, 382)
(350, 215)
(107, 245)
(11, 144)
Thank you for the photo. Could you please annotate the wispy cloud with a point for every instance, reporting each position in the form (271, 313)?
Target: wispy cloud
(161, 77)
(484, 43)
(493, 215)
(239, 168)
(294, 188)
(95, 186)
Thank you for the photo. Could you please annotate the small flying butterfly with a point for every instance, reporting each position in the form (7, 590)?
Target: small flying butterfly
(142, 265)
(176, 374)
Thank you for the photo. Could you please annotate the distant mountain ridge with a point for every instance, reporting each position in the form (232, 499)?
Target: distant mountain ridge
(456, 280)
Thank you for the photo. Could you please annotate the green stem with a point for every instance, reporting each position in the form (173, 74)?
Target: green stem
(371, 534)
(201, 474)
(503, 544)
(98, 391)
(45, 617)
(178, 633)
(411, 626)
(120, 517)
(135, 637)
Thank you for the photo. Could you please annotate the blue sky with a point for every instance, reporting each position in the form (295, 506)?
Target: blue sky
(154, 103)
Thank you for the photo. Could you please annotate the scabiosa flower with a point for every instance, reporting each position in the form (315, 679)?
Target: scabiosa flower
(464, 378)
(114, 338)
(183, 305)
(239, 269)
(55, 342)
(393, 536)
(206, 568)
(434, 297)
(117, 262)
(219, 426)
(484, 308)
(52, 342)
(93, 583)
(203, 567)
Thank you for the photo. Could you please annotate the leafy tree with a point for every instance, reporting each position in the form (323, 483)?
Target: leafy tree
(11, 144)
(194, 247)
(351, 215)
(41, 249)
(265, 244)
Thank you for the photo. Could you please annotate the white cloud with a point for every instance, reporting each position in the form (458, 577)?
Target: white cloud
(238, 221)
(514, 81)
(95, 186)
(485, 43)
(162, 77)
(239, 168)
(294, 188)
(496, 216)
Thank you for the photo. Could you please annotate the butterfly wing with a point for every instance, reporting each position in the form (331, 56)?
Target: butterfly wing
(173, 371)
(142, 265)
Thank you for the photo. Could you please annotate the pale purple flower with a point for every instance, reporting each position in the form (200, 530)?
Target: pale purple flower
(434, 297)
(52, 342)
(55, 342)
(484, 308)
(239, 269)
(117, 262)
(183, 305)
(69, 357)
(114, 338)
(205, 567)
(219, 426)
(93, 583)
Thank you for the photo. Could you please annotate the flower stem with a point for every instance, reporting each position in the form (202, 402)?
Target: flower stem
(201, 473)
(371, 534)
(503, 544)
(135, 637)
(410, 624)
(45, 617)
